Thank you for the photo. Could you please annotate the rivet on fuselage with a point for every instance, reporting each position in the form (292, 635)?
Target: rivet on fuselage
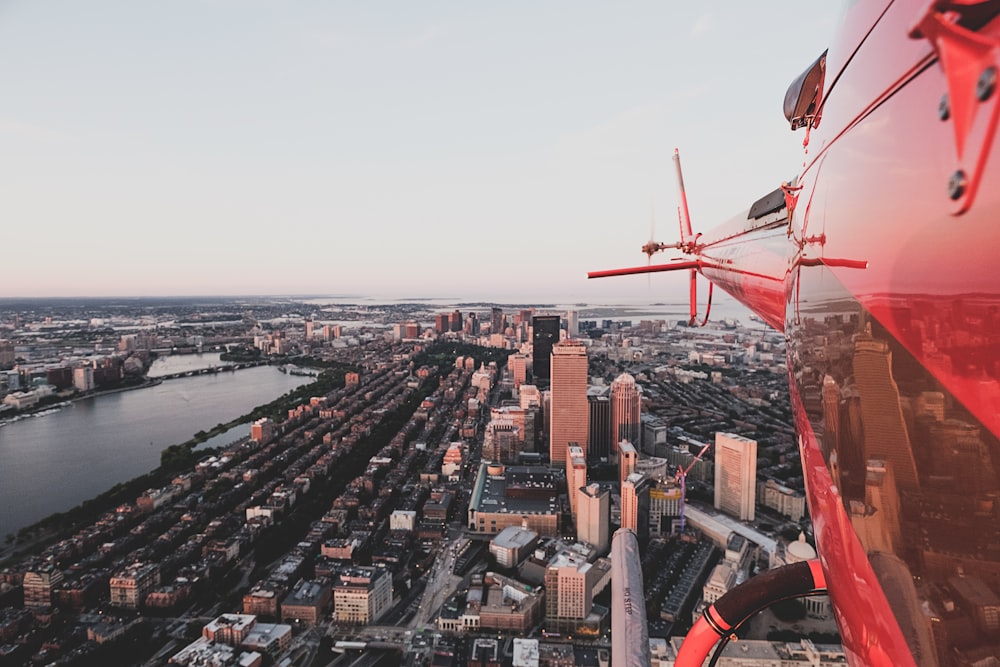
(944, 110)
(986, 84)
(957, 184)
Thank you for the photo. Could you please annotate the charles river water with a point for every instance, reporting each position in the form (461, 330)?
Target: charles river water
(53, 462)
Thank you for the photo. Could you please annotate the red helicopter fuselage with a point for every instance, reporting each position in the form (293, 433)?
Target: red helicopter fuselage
(880, 267)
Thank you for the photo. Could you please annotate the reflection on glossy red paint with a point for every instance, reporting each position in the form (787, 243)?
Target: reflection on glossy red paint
(884, 279)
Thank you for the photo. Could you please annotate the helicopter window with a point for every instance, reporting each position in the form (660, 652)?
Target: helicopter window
(769, 203)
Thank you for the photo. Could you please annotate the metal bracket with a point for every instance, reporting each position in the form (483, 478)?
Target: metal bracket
(969, 61)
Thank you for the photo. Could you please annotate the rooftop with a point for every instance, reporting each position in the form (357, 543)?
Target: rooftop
(305, 593)
(491, 491)
(514, 537)
(238, 622)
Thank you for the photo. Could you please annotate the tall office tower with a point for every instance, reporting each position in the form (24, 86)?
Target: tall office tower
(599, 440)
(544, 335)
(442, 323)
(496, 320)
(654, 434)
(576, 474)
(412, 330)
(635, 505)
(625, 405)
(310, 329)
(572, 324)
(735, 475)
(885, 433)
(593, 516)
(518, 364)
(38, 585)
(569, 399)
(627, 458)
(456, 321)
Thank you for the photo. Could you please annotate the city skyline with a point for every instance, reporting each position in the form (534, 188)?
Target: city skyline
(445, 389)
(216, 149)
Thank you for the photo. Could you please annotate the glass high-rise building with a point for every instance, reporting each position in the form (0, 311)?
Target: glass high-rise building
(545, 334)
(599, 440)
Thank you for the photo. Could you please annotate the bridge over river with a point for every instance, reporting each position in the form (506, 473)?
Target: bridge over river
(211, 370)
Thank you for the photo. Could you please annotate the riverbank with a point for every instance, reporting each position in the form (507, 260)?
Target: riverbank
(56, 462)
(60, 401)
(104, 448)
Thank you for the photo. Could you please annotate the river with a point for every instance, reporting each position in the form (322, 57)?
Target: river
(54, 462)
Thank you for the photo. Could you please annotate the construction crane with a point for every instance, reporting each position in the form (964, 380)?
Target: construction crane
(682, 474)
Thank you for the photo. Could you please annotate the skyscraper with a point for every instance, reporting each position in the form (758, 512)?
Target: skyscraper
(496, 320)
(625, 407)
(635, 505)
(627, 458)
(572, 326)
(599, 441)
(544, 334)
(654, 434)
(576, 475)
(593, 516)
(569, 421)
(886, 435)
(735, 475)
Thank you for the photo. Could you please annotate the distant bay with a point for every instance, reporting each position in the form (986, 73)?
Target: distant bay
(53, 462)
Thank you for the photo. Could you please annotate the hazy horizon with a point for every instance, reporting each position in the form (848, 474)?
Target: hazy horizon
(208, 148)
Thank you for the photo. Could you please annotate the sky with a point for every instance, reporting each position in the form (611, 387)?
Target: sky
(481, 150)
